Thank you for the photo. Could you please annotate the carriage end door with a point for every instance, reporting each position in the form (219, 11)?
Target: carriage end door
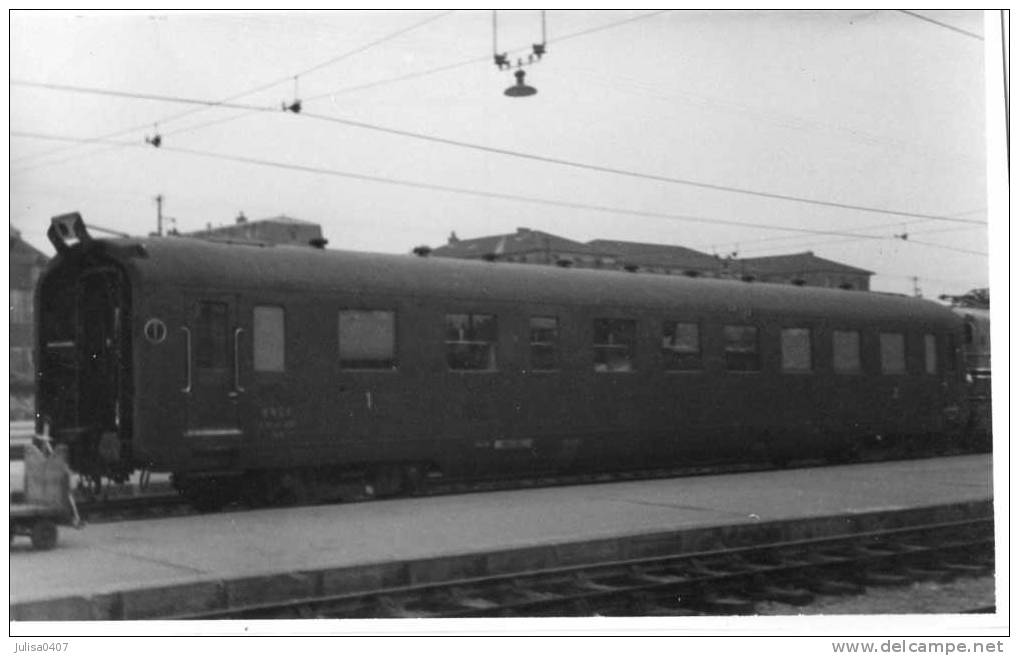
(214, 387)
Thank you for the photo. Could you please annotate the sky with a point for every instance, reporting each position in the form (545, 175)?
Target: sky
(719, 126)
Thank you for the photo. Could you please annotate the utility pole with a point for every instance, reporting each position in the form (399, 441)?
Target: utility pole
(159, 215)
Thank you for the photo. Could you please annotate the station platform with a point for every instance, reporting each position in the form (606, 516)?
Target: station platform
(160, 568)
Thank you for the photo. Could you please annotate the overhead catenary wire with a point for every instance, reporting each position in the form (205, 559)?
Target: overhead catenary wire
(134, 95)
(515, 153)
(846, 240)
(635, 174)
(944, 25)
(344, 90)
(464, 191)
(875, 226)
(276, 82)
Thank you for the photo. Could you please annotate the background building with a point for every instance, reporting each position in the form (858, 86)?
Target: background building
(27, 265)
(804, 269)
(536, 247)
(660, 258)
(530, 247)
(276, 230)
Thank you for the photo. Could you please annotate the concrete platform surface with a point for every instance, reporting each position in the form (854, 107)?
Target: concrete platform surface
(107, 558)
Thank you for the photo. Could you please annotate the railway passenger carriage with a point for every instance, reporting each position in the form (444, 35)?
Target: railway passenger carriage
(266, 368)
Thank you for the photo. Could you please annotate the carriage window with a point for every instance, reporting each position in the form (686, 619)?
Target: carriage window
(796, 355)
(367, 339)
(741, 349)
(613, 344)
(893, 353)
(930, 353)
(846, 345)
(544, 343)
(681, 346)
(268, 337)
(470, 341)
(211, 348)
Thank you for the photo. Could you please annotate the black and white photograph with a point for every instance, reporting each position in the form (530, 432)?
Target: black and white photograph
(594, 322)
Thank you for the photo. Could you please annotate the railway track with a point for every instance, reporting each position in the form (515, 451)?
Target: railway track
(722, 582)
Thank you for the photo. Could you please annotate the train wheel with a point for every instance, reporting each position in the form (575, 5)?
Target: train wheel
(845, 451)
(387, 481)
(265, 489)
(205, 495)
(780, 459)
(413, 479)
(44, 534)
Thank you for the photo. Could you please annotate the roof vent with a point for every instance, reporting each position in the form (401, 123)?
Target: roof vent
(66, 228)
(241, 218)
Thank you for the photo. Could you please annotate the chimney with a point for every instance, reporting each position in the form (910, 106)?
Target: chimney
(453, 239)
(241, 218)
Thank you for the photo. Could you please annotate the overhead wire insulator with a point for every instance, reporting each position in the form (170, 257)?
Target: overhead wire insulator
(295, 105)
(539, 48)
(156, 139)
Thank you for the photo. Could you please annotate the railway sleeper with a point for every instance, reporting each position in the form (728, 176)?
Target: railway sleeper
(971, 569)
(882, 578)
(928, 574)
(833, 586)
(468, 598)
(615, 581)
(793, 596)
(725, 604)
(402, 607)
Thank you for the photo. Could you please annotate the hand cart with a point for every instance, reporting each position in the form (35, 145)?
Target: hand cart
(47, 500)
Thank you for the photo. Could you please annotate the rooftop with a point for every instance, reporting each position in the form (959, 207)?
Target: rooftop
(641, 254)
(804, 262)
(524, 240)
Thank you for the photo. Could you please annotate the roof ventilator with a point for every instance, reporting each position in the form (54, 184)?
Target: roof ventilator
(67, 227)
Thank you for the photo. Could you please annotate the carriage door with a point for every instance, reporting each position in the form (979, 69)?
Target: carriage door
(214, 388)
